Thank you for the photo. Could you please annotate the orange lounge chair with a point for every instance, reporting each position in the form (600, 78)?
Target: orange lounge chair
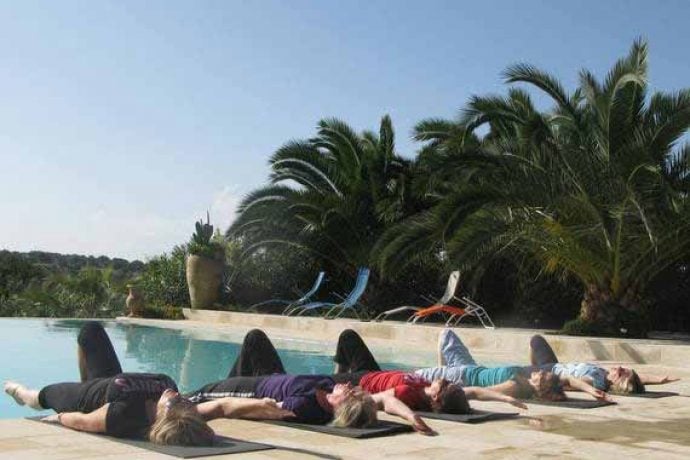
(451, 286)
(456, 314)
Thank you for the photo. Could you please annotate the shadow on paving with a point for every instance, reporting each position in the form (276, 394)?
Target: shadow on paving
(623, 432)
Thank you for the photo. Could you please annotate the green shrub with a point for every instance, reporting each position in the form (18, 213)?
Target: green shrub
(163, 281)
(162, 312)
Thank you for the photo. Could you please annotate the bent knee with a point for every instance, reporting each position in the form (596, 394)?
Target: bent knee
(537, 340)
(255, 334)
(89, 331)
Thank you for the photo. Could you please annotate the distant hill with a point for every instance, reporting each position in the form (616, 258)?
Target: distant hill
(70, 264)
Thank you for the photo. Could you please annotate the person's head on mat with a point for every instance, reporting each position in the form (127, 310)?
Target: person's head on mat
(623, 380)
(540, 384)
(352, 407)
(448, 398)
(178, 422)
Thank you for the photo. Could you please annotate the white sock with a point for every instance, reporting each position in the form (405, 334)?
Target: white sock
(18, 391)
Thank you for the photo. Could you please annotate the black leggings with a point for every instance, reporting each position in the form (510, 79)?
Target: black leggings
(541, 352)
(257, 359)
(101, 361)
(353, 357)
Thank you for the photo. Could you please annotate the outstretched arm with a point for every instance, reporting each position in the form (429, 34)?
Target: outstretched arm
(387, 401)
(93, 422)
(572, 383)
(648, 379)
(487, 394)
(260, 409)
(507, 388)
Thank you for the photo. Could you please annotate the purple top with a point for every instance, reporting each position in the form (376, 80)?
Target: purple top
(298, 394)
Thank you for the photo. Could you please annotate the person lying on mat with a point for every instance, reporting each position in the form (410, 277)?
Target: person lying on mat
(316, 399)
(616, 379)
(356, 364)
(457, 365)
(128, 405)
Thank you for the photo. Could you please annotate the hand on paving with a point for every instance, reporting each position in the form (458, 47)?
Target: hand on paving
(667, 379)
(519, 404)
(52, 418)
(602, 396)
(420, 426)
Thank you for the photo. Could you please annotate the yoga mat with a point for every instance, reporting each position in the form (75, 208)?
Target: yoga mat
(223, 445)
(384, 428)
(572, 403)
(650, 394)
(476, 416)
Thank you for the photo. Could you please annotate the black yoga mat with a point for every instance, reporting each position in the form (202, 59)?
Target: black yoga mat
(222, 446)
(384, 428)
(572, 403)
(476, 416)
(651, 394)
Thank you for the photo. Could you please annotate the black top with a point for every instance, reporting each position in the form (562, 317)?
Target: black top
(126, 395)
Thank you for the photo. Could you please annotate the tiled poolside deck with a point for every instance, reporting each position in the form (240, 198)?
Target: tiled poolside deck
(636, 427)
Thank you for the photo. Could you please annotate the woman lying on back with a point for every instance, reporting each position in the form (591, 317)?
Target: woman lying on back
(116, 403)
(616, 379)
(128, 405)
(356, 364)
(457, 365)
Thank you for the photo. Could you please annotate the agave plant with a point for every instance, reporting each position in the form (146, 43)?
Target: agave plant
(596, 188)
(201, 243)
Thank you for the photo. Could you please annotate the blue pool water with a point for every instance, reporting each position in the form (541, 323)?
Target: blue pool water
(40, 352)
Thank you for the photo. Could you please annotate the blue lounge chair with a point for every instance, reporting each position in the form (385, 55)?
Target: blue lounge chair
(337, 309)
(293, 303)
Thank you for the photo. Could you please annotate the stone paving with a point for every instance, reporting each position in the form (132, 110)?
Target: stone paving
(635, 427)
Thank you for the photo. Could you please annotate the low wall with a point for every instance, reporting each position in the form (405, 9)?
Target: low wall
(501, 345)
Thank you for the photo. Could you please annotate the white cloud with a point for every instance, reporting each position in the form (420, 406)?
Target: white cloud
(224, 207)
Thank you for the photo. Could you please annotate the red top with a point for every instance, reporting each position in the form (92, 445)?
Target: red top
(407, 387)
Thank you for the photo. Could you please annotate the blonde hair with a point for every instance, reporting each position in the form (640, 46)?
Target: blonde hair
(628, 385)
(357, 411)
(181, 425)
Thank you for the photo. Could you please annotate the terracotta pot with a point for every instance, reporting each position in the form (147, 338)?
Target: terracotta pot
(204, 276)
(134, 302)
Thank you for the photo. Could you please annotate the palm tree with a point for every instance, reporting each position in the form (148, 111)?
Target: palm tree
(595, 188)
(331, 196)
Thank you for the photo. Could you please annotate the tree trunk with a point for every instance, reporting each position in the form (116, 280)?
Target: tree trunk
(619, 314)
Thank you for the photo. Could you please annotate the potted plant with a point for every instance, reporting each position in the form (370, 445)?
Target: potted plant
(204, 266)
(134, 301)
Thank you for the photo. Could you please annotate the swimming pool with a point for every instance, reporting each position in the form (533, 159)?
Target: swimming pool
(37, 352)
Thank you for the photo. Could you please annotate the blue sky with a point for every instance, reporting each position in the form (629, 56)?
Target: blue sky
(121, 123)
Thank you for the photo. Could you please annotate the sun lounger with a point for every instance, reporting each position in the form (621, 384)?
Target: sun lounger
(337, 309)
(451, 286)
(453, 314)
(289, 304)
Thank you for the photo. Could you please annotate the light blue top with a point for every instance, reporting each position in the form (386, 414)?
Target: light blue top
(580, 370)
(470, 375)
(480, 376)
